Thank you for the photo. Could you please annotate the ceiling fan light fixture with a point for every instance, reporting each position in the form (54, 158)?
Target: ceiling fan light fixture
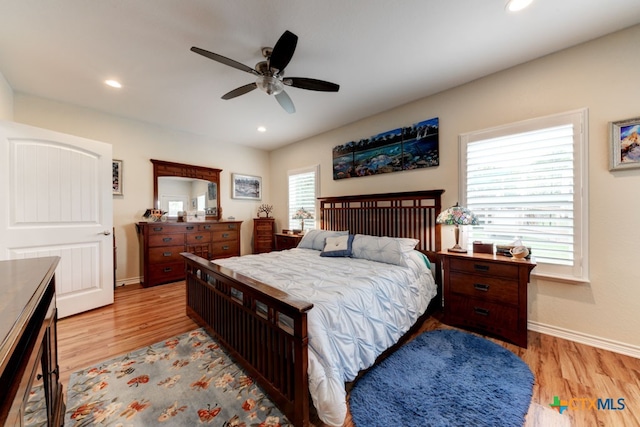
(270, 85)
(516, 5)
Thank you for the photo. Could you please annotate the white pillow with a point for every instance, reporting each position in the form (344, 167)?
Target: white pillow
(391, 250)
(314, 239)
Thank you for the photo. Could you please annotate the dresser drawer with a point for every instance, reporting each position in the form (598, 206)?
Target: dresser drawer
(486, 288)
(198, 238)
(164, 273)
(161, 228)
(483, 267)
(491, 317)
(166, 240)
(224, 235)
(165, 254)
(224, 249)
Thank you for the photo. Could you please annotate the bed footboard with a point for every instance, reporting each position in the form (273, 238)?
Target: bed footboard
(262, 328)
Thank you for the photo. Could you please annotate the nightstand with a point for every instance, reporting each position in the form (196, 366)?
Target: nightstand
(487, 293)
(263, 229)
(287, 241)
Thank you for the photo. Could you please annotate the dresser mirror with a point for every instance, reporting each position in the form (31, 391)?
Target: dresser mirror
(181, 187)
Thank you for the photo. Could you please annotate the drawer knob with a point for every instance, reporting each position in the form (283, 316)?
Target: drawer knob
(225, 235)
(167, 239)
(481, 311)
(167, 269)
(232, 226)
(481, 287)
(190, 227)
(225, 248)
(167, 253)
(481, 267)
(157, 228)
(199, 237)
(207, 227)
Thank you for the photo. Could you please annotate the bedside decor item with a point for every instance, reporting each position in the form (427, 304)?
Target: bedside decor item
(519, 252)
(625, 144)
(457, 216)
(116, 181)
(246, 187)
(266, 209)
(302, 214)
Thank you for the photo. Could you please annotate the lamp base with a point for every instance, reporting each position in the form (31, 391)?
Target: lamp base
(457, 249)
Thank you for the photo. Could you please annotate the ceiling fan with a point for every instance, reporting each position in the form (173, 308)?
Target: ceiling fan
(270, 72)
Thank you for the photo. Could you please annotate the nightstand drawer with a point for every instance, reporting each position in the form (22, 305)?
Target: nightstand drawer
(482, 267)
(484, 315)
(486, 288)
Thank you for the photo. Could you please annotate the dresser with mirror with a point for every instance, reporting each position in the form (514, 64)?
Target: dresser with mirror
(181, 188)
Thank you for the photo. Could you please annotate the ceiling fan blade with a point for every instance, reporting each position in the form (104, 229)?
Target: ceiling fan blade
(283, 51)
(239, 91)
(311, 84)
(224, 60)
(286, 102)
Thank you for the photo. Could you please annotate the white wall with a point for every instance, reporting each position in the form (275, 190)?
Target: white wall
(6, 99)
(601, 75)
(135, 143)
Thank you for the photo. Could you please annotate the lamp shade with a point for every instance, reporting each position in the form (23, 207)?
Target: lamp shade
(302, 213)
(457, 215)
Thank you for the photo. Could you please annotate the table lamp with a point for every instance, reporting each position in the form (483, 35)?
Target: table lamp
(457, 215)
(302, 214)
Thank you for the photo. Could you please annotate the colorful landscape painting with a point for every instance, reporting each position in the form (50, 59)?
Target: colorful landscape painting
(411, 147)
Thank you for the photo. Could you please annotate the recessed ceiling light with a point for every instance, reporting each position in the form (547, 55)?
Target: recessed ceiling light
(516, 5)
(262, 129)
(113, 83)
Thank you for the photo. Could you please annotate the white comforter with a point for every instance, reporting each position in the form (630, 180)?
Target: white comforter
(360, 309)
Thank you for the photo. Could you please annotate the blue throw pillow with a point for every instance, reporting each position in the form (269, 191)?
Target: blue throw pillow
(338, 246)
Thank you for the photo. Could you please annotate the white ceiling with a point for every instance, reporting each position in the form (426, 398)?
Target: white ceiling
(381, 53)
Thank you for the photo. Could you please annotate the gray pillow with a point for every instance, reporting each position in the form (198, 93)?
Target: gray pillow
(314, 239)
(391, 250)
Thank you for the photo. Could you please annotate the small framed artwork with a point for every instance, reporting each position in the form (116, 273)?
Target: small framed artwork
(625, 144)
(246, 187)
(117, 177)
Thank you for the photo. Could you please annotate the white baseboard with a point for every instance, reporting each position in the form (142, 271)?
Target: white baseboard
(129, 281)
(599, 342)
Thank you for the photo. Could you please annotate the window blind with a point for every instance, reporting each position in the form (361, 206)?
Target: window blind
(526, 182)
(302, 194)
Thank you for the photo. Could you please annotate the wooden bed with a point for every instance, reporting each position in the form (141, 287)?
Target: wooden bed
(276, 355)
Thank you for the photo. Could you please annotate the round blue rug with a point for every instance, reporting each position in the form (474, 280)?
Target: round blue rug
(444, 378)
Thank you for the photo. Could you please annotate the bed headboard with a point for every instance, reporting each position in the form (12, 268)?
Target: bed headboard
(410, 214)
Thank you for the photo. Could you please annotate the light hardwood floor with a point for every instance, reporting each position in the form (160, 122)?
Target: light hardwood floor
(140, 317)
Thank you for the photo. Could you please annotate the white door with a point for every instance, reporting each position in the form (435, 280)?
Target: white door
(57, 200)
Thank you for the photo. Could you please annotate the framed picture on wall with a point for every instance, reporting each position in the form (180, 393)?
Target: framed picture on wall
(117, 177)
(625, 144)
(246, 187)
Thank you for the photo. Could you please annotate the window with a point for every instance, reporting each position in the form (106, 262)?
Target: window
(303, 192)
(528, 181)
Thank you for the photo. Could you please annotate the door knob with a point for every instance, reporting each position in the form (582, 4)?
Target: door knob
(106, 232)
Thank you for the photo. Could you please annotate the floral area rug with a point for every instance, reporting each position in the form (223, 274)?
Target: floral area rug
(187, 380)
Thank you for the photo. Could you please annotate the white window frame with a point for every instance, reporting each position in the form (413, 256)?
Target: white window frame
(579, 272)
(295, 223)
